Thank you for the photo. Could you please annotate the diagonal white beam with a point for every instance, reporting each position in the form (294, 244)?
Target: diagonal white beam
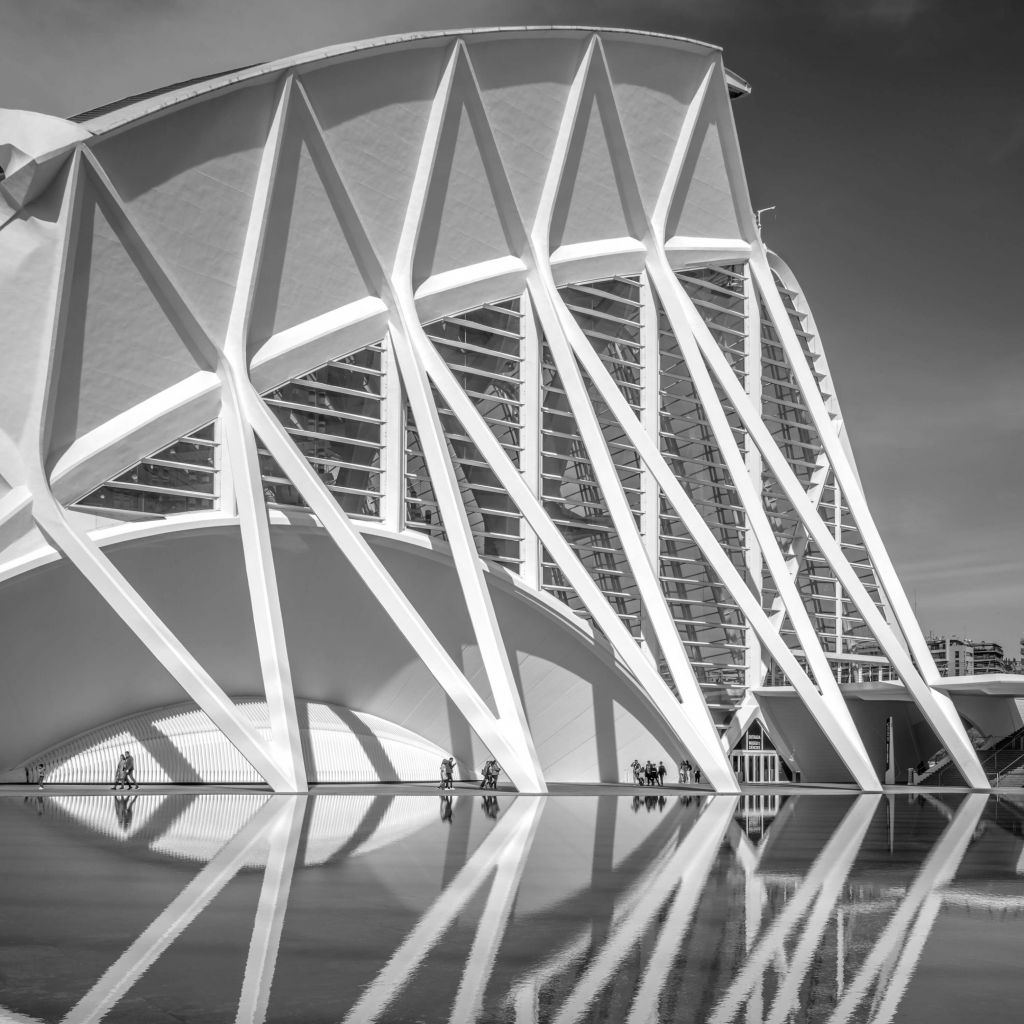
(285, 749)
(946, 726)
(827, 706)
(409, 337)
(174, 306)
(493, 653)
(517, 752)
(97, 569)
(590, 85)
(663, 204)
(245, 477)
(564, 336)
(753, 559)
(693, 736)
(825, 702)
(648, 681)
(379, 582)
(937, 708)
(151, 630)
(941, 715)
(830, 710)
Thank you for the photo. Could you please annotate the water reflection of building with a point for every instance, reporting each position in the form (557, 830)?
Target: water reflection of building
(559, 909)
(445, 380)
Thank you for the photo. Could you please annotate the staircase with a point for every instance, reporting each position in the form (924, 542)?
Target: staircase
(1003, 764)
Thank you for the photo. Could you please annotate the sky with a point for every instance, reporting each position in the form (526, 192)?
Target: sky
(889, 134)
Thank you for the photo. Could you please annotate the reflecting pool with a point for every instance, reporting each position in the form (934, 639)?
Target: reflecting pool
(648, 908)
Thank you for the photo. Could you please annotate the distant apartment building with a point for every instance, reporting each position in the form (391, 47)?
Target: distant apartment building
(988, 657)
(953, 656)
(964, 657)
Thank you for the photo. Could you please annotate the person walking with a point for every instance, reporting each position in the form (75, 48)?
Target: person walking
(696, 776)
(687, 769)
(119, 774)
(637, 774)
(41, 774)
(661, 773)
(129, 770)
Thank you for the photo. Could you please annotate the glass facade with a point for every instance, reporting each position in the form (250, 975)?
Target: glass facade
(337, 417)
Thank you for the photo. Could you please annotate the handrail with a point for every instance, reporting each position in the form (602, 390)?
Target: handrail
(989, 757)
(1009, 768)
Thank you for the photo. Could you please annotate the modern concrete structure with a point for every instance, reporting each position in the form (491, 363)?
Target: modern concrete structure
(439, 390)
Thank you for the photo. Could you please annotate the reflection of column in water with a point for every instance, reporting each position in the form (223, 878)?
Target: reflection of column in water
(695, 860)
(787, 995)
(493, 921)
(507, 846)
(827, 874)
(283, 835)
(916, 913)
(182, 911)
(524, 997)
(678, 875)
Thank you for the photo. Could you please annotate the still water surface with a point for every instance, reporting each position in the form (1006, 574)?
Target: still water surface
(659, 907)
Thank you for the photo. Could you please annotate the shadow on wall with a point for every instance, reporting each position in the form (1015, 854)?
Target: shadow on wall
(181, 745)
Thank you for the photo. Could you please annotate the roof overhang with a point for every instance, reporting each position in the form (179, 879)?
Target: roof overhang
(995, 684)
(116, 114)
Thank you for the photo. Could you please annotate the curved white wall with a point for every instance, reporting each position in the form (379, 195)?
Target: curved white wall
(181, 744)
(73, 667)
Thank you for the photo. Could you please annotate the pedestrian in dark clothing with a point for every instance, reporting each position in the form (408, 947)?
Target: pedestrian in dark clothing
(696, 776)
(661, 773)
(119, 774)
(129, 770)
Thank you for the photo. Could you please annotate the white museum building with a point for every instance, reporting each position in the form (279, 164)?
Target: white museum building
(434, 394)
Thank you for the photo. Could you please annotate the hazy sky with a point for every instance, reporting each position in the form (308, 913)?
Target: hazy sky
(890, 135)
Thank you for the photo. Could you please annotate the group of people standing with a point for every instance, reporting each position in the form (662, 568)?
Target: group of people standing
(650, 774)
(488, 774)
